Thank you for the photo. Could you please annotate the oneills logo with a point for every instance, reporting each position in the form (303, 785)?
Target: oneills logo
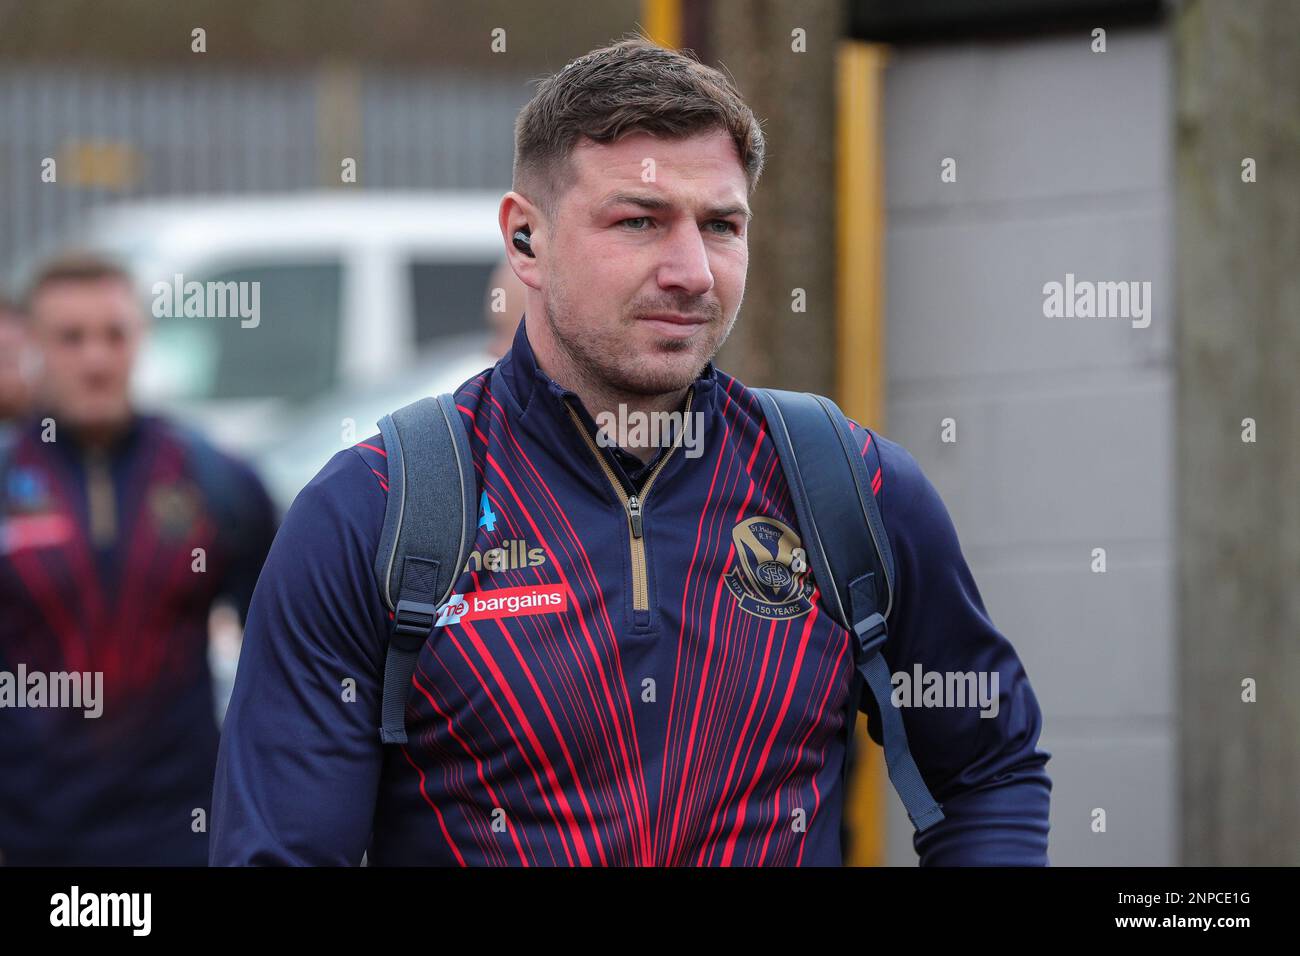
(511, 555)
(762, 580)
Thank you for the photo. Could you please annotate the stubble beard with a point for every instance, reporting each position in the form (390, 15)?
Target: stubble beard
(600, 359)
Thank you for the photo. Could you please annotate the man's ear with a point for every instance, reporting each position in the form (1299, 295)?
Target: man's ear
(520, 222)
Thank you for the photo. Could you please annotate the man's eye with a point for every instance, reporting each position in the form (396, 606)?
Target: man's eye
(727, 225)
(637, 219)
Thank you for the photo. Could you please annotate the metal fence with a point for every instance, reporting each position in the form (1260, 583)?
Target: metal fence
(117, 133)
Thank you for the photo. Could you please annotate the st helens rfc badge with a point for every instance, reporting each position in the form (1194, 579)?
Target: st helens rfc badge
(770, 579)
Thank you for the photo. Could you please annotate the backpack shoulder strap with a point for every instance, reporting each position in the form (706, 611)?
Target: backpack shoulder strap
(428, 531)
(849, 553)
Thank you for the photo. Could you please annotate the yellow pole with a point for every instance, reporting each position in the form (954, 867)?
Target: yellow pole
(860, 330)
(860, 386)
(662, 21)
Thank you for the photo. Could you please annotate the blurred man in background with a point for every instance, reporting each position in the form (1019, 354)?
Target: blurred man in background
(15, 378)
(503, 308)
(119, 531)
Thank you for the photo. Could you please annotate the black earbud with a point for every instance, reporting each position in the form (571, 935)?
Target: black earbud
(524, 242)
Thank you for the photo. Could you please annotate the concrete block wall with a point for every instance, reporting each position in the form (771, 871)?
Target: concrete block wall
(1064, 425)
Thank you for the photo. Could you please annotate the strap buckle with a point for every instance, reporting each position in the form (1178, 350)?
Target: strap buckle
(871, 632)
(412, 624)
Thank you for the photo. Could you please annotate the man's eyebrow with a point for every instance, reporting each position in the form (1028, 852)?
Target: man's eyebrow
(659, 204)
(722, 212)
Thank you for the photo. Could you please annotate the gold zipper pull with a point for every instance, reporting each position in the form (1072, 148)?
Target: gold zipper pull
(634, 515)
(101, 499)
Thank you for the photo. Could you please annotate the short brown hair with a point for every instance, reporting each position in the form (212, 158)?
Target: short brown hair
(76, 267)
(630, 86)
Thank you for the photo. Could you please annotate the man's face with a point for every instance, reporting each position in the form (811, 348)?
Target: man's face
(88, 333)
(644, 279)
(14, 349)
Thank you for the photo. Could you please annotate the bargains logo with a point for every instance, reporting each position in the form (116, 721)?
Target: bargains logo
(503, 602)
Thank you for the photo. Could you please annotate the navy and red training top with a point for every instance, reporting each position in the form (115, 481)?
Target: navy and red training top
(594, 697)
(121, 589)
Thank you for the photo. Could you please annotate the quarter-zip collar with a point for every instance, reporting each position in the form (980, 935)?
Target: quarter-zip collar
(68, 441)
(543, 404)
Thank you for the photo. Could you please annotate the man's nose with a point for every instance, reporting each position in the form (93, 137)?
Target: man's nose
(686, 261)
(98, 352)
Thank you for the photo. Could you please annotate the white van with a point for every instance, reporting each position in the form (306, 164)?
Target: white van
(353, 287)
